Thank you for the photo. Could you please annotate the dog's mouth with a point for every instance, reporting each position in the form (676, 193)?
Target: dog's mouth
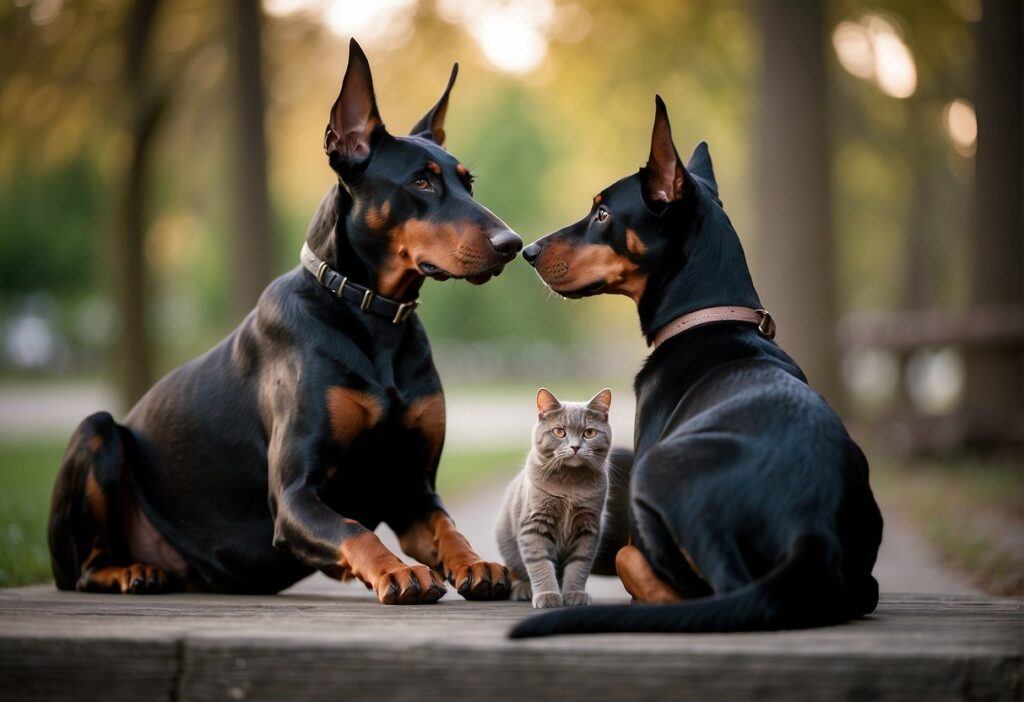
(437, 273)
(585, 291)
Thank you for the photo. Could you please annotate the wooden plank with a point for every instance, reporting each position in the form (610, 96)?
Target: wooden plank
(88, 668)
(197, 647)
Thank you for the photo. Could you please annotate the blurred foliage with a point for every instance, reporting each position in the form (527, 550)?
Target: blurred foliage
(542, 143)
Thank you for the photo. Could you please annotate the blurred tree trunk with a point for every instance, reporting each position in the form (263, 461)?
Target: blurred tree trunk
(995, 377)
(145, 106)
(796, 273)
(252, 242)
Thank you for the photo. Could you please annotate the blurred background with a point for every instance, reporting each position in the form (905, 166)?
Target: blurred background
(160, 159)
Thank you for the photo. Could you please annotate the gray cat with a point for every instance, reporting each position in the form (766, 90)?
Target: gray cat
(549, 525)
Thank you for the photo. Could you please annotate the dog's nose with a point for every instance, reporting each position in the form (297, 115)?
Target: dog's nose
(506, 242)
(530, 253)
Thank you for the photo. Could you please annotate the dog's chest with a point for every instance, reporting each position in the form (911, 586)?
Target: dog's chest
(380, 416)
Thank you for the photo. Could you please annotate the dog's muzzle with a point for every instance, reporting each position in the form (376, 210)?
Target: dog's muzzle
(506, 243)
(530, 253)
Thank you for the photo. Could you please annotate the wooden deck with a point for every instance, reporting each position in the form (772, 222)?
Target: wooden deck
(303, 645)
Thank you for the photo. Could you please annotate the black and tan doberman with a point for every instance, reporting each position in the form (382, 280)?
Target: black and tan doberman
(747, 495)
(279, 451)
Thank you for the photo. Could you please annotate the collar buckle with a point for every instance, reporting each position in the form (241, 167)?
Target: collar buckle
(320, 272)
(367, 301)
(404, 310)
(765, 324)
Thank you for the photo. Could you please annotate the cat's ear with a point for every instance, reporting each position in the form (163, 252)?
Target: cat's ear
(601, 402)
(546, 402)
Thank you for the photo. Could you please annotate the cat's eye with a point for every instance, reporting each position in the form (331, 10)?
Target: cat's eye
(590, 433)
(559, 432)
(602, 214)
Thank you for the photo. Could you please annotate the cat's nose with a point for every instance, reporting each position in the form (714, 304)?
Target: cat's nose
(575, 449)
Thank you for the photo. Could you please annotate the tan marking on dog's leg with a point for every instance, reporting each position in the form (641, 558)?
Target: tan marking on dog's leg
(365, 557)
(473, 577)
(639, 578)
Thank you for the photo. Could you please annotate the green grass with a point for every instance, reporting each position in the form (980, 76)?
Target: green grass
(26, 478)
(27, 469)
(970, 511)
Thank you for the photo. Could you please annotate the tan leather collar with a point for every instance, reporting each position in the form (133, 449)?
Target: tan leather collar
(709, 315)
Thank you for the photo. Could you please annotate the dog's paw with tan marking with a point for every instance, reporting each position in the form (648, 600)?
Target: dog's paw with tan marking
(480, 580)
(546, 600)
(575, 599)
(405, 585)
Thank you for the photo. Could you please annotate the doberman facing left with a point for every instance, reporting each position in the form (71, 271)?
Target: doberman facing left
(280, 450)
(747, 495)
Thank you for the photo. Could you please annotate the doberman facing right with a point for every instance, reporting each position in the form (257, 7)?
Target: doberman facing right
(279, 451)
(747, 494)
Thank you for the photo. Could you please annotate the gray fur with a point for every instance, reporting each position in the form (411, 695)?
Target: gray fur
(549, 526)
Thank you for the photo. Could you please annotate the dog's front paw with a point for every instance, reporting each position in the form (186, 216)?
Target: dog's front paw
(481, 580)
(575, 599)
(410, 585)
(544, 600)
(521, 591)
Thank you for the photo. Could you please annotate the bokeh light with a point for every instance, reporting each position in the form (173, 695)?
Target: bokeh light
(873, 49)
(961, 126)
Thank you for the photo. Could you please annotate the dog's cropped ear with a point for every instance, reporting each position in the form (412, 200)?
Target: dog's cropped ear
(546, 402)
(700, 164)
(432, 125)
(601, 402)
(354, 115)
(663, 177)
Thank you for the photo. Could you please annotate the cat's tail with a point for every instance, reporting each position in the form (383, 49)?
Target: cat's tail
(803, 591)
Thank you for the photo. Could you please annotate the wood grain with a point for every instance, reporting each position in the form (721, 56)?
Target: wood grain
(56, 645)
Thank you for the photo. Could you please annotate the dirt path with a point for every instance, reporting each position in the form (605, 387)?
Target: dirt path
(905, 563)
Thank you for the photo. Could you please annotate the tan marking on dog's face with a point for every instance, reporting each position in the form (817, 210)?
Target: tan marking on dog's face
(427, 415)
(460, 248)
(462, 171)
(95, 443)
(597, 199)
(566, 268)
(434, 167)
(350, 413)
(635, 245)
(377, 217)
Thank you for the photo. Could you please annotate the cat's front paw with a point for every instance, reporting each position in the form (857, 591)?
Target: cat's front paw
(576, 599)
(545, 600)
(521, 590)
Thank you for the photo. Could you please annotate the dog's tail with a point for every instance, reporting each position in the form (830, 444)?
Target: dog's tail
(803, 591)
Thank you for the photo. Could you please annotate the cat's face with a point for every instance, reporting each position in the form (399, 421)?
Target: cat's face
(573, 434)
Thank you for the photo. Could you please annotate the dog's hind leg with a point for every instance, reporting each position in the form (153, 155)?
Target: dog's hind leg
(640, 580)
(90, 515)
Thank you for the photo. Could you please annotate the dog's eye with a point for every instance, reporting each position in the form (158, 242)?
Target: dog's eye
(559, 432)
(590, 433)
(602, 215)
(421, 184)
